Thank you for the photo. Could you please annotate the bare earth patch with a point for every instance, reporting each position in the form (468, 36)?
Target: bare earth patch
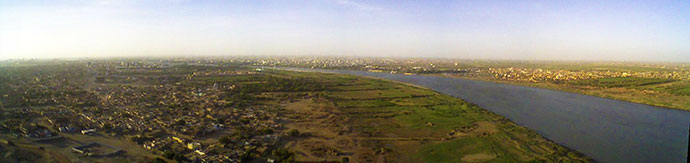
(329, 138)
(485, 128)
(477, 157)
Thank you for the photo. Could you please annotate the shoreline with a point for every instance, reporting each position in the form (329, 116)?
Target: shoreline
(554, 88)
(588, 158)
(531, 85)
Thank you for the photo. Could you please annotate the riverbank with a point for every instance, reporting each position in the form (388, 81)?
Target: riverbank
(385, 120)
(647, 94)
(606, 130)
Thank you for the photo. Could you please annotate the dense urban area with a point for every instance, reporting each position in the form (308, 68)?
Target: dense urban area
(236, 109)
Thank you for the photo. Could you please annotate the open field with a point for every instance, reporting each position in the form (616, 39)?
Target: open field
(386, 121)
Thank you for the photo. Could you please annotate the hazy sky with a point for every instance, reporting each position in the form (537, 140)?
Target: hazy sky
(648, 30)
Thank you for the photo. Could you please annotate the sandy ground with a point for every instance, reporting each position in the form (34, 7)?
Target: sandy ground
(330, 138)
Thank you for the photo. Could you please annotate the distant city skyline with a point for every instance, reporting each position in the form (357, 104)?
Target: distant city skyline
(514, 30)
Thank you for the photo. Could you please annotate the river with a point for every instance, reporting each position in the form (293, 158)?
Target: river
(606, 130)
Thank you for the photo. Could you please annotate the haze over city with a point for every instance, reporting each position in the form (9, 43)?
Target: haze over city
(344, 81)
(525, 30)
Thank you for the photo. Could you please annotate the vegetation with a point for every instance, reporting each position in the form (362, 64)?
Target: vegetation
(674, 94)
(284, 156)
(678, 89)
(620, 82)
(658, 84)
(233, 111)
(175, 156)
(32, 85)
(440, 127)
(293, 132)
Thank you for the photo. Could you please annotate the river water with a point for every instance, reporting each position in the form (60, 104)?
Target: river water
(604, 129)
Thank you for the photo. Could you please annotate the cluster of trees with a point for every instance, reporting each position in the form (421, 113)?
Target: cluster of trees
(175, 156)
(283, 156)
(277, 84)
(242, 94)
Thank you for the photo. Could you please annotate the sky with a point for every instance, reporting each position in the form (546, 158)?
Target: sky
(631, 30)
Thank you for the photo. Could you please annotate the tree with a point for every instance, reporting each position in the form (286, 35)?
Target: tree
(226, 140)
(175, 156)
(293, 132)
(345, 160)
(266, 131)
(158, 160)
(248, 155)
(180, 122)
(284, 156)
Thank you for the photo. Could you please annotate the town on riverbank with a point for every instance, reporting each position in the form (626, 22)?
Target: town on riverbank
(663, 84)
(234, 110)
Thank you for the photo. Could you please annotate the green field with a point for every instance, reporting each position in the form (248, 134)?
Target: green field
(415, 124)
(676, 88)
(620, 82)
(673, 94)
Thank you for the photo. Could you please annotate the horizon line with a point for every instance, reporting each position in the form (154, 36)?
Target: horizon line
(178, 56)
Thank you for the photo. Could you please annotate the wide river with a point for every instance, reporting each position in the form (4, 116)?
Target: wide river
(604, 129)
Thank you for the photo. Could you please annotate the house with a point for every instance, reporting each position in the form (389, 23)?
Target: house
(200, 152)
(88, 132)
(193, 146)
(178, 139)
